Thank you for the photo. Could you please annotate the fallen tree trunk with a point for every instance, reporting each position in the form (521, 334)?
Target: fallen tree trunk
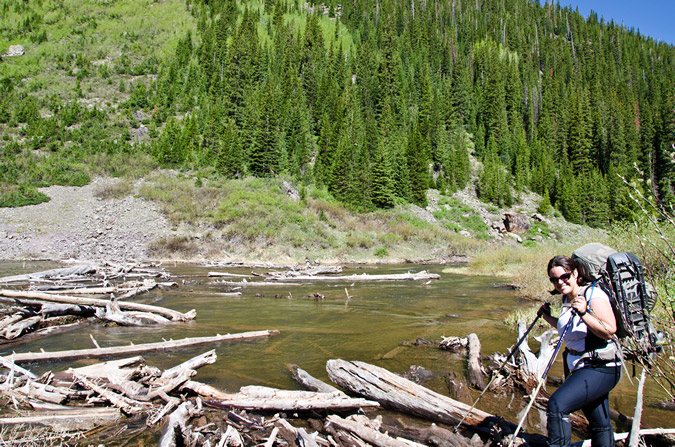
(77, 270)
(365, 277)
(68, 420)
(271, 399)
(401, 394)
(171, 314)
(135, 349)
(476, 374)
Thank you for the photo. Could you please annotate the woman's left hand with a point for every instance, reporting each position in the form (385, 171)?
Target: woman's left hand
(579, 304)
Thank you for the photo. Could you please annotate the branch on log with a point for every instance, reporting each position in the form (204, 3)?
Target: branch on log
(172, 314)
(369, 434)
(297, 436)
(312, 384)
(113, 313)
(136, 349)
(174, 433)
(194, 363)
(148, 285)
(126, 405)
(9, 364)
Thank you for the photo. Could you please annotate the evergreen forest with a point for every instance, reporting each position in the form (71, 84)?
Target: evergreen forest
(374, 100)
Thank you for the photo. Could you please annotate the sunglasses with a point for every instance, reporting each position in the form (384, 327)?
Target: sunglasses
(564, 277)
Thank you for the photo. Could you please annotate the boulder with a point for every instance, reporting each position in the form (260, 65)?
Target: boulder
(516, 223)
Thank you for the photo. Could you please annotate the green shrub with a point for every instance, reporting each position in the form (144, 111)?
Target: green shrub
(22, 195)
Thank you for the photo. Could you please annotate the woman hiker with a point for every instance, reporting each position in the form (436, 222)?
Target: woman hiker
(592, 359)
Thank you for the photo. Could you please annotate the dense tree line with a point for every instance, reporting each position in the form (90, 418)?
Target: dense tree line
(379, 100)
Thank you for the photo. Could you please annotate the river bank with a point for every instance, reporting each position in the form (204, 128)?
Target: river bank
(122, 220)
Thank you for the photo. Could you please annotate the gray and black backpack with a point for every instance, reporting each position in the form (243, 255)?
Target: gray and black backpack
(621, 277)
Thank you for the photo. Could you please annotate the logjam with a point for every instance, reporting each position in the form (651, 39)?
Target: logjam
(171, 314)
(136, 349)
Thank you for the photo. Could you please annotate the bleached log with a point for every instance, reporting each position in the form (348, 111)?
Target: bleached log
(476, 373)
(10, 320)
(68, 271)
(9, 364)
(642, 433)
(68, 420)
(174, 431)
(311, 383)
(420, 276)
(306, 271)
(369, 434)
(258, 283)
(136, 349)
(227, 275)
(38, 391)
(271, 399)
(401, 394)
(172, 314)
(17, 329)
(194, 363)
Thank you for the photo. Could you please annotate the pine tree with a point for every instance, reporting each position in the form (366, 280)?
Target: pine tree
(417, 166)
(381, 178)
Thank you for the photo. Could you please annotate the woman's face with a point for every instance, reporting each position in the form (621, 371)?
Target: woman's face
(562, 280)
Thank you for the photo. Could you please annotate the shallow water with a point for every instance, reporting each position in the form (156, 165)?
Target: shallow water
(371, 326)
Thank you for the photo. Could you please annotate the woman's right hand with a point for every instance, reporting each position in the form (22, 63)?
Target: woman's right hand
(544, 309)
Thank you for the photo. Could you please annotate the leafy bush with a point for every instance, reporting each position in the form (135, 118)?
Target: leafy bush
(22, 195)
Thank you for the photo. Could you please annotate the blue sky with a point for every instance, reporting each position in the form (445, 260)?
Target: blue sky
(654, 18)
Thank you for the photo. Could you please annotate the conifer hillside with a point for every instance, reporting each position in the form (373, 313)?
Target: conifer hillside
(375, 101)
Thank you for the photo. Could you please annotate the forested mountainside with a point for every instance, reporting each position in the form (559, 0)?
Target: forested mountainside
(375, 100)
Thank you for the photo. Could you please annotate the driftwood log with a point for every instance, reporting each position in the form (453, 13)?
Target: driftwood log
(271, 399)
(136, 349)
(420, 276)
(362, 427)
(401, 394)
(476, 373)
(309, 382)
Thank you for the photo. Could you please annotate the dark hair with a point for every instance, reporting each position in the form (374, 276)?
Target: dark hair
(568, 264)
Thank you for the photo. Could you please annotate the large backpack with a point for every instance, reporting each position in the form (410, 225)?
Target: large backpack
(621, 276)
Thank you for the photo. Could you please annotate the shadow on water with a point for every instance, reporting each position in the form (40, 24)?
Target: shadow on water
(377, 325)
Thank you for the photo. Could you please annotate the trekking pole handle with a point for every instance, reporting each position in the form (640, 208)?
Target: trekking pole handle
(495, 374)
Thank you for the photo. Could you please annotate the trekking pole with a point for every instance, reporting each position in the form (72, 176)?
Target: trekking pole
(541, 382)
(495, 374)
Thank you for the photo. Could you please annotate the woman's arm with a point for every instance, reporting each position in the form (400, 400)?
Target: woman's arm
(599, 319)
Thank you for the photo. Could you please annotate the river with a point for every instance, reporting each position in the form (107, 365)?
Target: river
(377, 324)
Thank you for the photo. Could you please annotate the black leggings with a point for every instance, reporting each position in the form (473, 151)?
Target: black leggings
(587, 389)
